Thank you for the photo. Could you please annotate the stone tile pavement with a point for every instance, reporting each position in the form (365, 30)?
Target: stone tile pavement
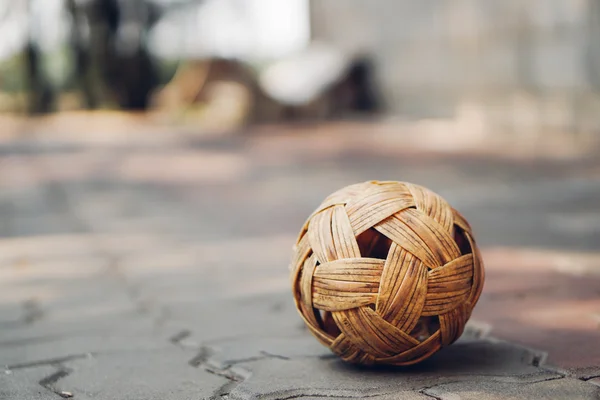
(155, 267)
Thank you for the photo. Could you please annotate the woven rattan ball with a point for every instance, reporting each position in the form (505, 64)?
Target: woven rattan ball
(386, 273)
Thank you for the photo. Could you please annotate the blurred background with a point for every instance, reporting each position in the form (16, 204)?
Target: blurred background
(157, 155)
(517, 69)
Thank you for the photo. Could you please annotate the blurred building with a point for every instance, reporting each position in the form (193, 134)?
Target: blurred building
(515, 65)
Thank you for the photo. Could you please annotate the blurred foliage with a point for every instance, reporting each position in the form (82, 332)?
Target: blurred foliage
(12, 78)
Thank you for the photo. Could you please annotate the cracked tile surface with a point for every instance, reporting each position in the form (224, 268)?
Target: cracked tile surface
(561, 388)
(126, 274)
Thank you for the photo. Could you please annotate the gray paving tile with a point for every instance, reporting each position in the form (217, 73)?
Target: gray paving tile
(19, 351)
(159, 374)
(557, 389)
(479, 360)
(24, 384)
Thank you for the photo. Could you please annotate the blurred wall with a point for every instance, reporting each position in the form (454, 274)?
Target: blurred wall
(515, 65)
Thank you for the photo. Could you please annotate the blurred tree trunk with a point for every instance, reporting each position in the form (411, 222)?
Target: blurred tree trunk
(120, 27)
(41, 95)
(81, 50)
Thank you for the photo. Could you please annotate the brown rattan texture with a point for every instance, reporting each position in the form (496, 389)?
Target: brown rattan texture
(386, 273)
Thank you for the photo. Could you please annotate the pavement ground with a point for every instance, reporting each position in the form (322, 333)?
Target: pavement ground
(154, 266)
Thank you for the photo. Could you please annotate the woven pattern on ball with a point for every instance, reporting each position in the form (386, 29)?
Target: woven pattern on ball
(386, 272)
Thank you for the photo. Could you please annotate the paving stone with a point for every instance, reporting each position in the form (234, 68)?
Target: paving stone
(65, 306)
(528, 301)
(11, 316)
(194, 274)
(251, 348)
(583, 372)
(328, 376)
(559, 389)
(19, 350)
(20, 252)
(24, 384)
(401, 395)
(159, 374)
(251, 316)
(63, 284)
(295, 344)
(127, 319)
(398, 395)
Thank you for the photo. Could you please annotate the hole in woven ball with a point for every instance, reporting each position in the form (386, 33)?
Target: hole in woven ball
(426, 326)
(373, 244)
(326, 322)
(461, 240)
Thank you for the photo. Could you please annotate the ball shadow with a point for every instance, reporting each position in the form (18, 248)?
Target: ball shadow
(481, 357)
